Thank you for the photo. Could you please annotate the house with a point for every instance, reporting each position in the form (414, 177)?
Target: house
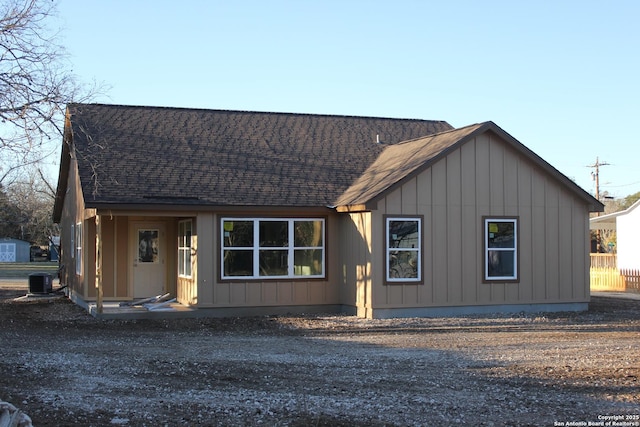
(250, 213)
(626, 224)
(14, 250)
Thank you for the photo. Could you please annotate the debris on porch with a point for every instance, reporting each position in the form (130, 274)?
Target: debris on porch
(157, 303)
(142, 302)
(153, 307)
(160, 306)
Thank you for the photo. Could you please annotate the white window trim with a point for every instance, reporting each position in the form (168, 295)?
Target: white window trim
(514, 277)
(389, 250)
(185, 248)
(256, 249)
(78, 248)
(72, 245)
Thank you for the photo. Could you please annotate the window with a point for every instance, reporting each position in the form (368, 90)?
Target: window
(148, 245)
(272, 248)
(500, 249)
(73, 240)
(78, 248)
(184, 248)
(403, 249)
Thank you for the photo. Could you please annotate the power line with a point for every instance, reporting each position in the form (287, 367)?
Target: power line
(624, 185)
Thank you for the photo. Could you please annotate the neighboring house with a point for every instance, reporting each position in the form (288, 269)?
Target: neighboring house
(626, 224)
(246, 213)
(14, 250)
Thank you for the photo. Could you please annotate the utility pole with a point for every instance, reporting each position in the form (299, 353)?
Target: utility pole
(596, 175)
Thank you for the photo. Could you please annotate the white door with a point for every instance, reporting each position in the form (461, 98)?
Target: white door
(148, 249)
(7, 252)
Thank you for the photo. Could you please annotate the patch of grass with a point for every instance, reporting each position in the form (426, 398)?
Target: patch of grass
(18, 270)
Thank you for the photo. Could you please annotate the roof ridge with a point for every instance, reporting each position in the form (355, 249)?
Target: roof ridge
(480, 124)
(283, 113)
(229, 157)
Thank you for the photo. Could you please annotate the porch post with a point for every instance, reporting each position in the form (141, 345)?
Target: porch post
(99, 293)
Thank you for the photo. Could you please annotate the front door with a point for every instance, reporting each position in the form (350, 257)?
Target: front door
(148, 249)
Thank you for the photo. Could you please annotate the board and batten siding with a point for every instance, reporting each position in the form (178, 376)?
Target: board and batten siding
(485, 177)
(73, 212)
(356, 262)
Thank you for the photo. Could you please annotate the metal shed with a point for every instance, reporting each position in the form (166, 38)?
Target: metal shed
(14, 250)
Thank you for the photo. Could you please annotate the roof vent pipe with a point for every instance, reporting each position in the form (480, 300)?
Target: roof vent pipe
(377, 138)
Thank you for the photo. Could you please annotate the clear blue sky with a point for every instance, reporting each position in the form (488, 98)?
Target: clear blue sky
(562, 77)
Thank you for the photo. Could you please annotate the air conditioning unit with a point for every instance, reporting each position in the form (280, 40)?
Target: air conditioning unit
(40, 283)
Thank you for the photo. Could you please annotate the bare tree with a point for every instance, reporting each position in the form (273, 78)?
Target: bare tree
(30, 203)
(36, 83)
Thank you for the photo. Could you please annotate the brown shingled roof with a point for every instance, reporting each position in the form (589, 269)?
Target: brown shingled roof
(151, 155)
(399, 162)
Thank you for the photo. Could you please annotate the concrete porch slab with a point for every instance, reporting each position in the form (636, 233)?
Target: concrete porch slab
(113, 311)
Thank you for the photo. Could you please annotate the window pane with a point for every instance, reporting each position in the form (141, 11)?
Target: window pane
(148, 243)
(274, 263)
(307, 233)
(184, 262)
(238, 263)
(274, 234)
(501, 263)
(72, 245)
(403, 264)
(501, 234)
(403, 234)
(187, 234)
(78, 249)
(187, 264)
(184, 234)
(307, 262)
(238, 234)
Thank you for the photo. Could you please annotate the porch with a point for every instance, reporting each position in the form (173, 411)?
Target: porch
(114, 311)
(153, 308)
(128, 258)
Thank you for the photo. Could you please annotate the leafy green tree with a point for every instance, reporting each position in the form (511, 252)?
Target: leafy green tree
(629, 200)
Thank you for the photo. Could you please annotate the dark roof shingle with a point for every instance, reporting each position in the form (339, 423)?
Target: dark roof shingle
(154, 155)
(400, 161)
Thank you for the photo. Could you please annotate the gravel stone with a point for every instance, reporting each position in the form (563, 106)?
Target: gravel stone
(61, 366)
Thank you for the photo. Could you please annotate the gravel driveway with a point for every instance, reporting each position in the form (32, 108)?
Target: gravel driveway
(62, 367)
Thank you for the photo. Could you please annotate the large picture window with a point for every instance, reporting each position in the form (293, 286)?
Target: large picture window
(500, 249)
(403, 249)
(272, 248)
(184, 248)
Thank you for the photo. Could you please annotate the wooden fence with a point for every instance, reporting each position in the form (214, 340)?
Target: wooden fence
(631, 280)
(612, 279)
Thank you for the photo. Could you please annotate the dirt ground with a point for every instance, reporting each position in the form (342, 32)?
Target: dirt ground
(63, 367)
